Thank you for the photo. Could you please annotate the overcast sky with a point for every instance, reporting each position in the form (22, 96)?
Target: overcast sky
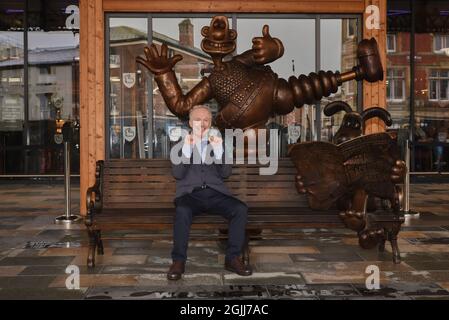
(297, 35)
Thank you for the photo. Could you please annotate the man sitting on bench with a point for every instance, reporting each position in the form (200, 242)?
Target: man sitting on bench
(200, 188)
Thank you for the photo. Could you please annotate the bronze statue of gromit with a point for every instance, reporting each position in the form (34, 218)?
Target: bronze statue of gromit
(351, 169)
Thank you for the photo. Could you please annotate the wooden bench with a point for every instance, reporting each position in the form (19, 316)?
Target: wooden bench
(138, 194)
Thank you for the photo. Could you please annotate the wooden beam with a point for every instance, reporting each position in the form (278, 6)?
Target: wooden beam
(84, 103)
(374, 94)
(91, 96)
(91, 93)
(234, 6)
(99, 86)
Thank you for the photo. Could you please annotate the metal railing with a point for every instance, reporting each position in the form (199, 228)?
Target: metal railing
(67, 217)
(406, 197)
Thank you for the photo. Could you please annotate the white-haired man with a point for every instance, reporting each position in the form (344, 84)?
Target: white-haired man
(200, 188)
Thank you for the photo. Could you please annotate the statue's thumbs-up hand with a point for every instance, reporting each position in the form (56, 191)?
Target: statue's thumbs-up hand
(158, 63)
(266, 49)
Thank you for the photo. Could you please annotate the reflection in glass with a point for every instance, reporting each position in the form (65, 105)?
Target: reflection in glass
(338, 44)
(11, 87)
(398, 69)
(140, 124)
(182, 36)
(127, 88)
(429, 100)
(430, 96)
(53, 74)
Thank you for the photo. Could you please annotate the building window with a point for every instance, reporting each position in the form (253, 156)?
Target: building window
(439, 85)
(391, 42)
(351, 26)
(395, 85)
(44, 69)
(440, 42)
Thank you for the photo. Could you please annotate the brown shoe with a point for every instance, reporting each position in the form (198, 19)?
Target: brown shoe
(237, 266)
(176, 270)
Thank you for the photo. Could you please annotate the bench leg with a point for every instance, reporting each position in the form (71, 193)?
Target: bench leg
(100, 248)
(394, 247)
(396, 253)
(92, 246)
(381, 246)
(222, 241)
(392, 236)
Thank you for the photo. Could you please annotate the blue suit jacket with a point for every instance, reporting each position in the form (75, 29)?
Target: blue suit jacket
(189, 176)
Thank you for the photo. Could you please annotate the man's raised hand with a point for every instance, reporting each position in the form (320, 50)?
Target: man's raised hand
(215, 141)
(189, 139)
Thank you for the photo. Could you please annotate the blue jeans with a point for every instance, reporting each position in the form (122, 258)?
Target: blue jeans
(215, 202)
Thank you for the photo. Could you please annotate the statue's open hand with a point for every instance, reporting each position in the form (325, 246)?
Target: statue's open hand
(158, 64)
(398, 172)
(267, 49)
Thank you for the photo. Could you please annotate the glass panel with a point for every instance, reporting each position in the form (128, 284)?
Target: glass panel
(11, 87)
(398, 92)
(431, 104)
(338, 53)
(433, 89)
(183, 37)
(443, 89)
(298, 58)
(395, 85)
(128, 88)
(53, 90)
(438, 42)
(398, 70)
(391, 45)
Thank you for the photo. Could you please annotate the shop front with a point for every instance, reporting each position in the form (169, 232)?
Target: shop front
(123, 115)
(84, 54)
(39, 82)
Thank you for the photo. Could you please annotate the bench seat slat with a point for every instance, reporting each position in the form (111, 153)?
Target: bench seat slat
(147, 219)
(164, 178)
(140, 193)
(167, 170)
(300, 206)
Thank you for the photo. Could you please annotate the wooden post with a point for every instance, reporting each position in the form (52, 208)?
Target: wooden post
(91, 93)
(374, 94)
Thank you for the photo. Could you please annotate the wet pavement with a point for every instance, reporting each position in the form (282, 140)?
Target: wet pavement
(313, 264)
